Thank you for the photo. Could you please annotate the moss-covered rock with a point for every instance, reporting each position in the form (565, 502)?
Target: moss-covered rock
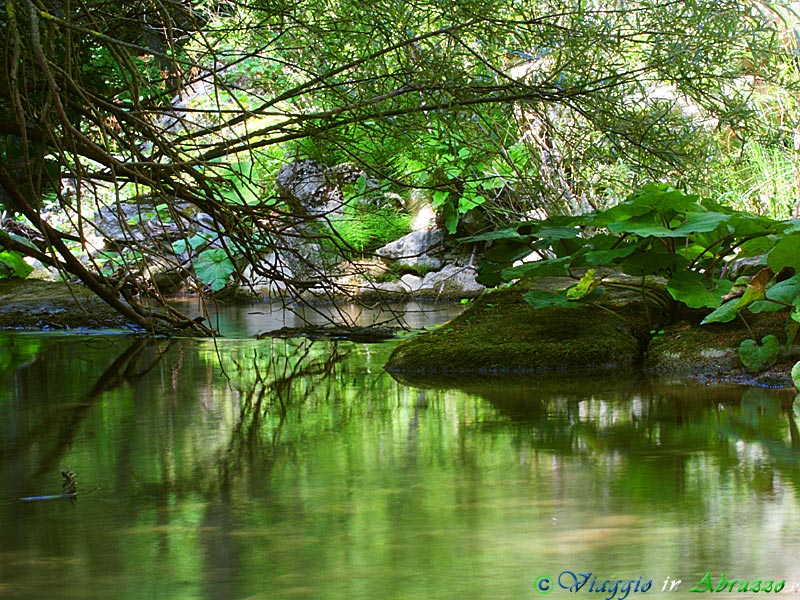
(686, 349)
(501, 333)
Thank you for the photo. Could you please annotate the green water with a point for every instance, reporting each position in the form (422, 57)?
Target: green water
(294, 469)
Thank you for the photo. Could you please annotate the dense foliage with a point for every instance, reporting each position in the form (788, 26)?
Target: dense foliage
(660, 234)
(515, 109)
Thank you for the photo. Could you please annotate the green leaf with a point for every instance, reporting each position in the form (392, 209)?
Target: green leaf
(584, 287)
(15, 266)
(507, 251)
(786, 291)
(724, 314)
(545, 299)
(690, 288)
(793, 226)
(654, 263)
(214, 268)
(360, 185)
(700, 223)
(786, 253)
(450, 215)
(22, 240)
(795, 314)
(620, 212)
(541, 268)
(644, 227)
(197, 240)
(493, 183)
(440, 197)
(500, 234)
(745, 225)
(597, 258)
(662, 198)
(759, 357)
(467, 203)
(557, 233)
(756, 247)
(796, 375)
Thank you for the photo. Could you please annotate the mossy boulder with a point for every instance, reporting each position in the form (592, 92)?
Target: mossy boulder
(501, 333)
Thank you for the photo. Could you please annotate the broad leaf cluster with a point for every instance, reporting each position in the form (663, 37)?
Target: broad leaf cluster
(659, 234)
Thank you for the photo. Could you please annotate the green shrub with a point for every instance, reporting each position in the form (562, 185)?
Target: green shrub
(364, 227)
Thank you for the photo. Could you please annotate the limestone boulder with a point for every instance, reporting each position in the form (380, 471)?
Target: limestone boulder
(452, 282)
(415, 250)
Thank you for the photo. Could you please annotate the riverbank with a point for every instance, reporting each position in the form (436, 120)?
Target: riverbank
(45, 305)
(497, 335)
(501, 334)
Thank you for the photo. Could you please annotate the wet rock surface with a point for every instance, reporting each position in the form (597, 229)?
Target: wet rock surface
(42, 305)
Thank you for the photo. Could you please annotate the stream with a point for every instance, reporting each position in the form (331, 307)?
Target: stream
(292, 468)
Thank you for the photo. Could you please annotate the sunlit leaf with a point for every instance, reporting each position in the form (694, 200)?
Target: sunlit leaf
(584, 286)
(214, 268)
(15, 265)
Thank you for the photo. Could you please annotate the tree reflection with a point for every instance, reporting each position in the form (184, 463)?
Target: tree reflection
(135, 360)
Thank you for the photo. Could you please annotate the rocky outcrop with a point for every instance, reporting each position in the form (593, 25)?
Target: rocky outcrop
(415, 251)
(500, 333)
(420, 264)
(428, 270)
(312, 188)
(452, 282)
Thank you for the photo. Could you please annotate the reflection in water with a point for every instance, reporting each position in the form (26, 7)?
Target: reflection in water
(299, 469)
(237, 320)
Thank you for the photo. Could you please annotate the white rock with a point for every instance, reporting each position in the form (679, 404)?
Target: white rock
(453, 281)
(411, 282)
(413, 249)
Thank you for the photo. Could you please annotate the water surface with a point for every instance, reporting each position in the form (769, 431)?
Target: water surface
(252, 469)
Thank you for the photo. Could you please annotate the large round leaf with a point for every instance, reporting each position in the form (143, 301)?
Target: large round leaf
(786, 253)
(214, 268)
(693, 290)
(653, 263)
